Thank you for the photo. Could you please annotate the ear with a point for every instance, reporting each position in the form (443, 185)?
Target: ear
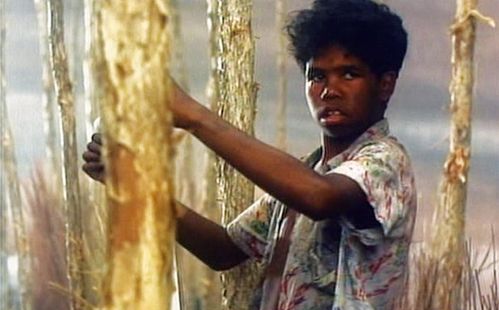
(387, 83)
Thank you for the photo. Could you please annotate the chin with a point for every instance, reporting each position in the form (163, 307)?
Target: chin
(342, 133)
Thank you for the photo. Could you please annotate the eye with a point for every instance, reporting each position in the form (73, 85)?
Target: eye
(350, 75)
(316, 76)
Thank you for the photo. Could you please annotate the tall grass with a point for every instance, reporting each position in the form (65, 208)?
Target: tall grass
(478, 281)
(46, 237)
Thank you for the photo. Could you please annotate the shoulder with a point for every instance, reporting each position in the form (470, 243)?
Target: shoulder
(385, 151)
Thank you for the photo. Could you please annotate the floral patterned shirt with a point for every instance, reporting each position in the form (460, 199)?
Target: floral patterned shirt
(331, 264)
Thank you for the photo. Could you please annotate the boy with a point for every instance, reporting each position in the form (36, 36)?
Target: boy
(333, 232)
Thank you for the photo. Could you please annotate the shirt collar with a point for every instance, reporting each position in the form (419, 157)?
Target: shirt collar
(376, 131)
(379, 129)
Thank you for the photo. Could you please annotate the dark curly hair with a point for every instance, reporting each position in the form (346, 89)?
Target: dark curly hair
(368, 30)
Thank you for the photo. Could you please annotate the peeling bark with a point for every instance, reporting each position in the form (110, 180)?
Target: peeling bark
(448, 247)
(137, 127)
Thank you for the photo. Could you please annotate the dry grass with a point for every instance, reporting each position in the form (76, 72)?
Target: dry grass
(46, 238)
(479, 280)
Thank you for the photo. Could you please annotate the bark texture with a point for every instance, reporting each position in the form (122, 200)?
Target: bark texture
(448, 246)
(137, 128)
(71, 189)
(235, 90)
(50, 117)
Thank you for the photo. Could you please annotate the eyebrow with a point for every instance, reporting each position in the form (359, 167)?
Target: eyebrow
(341, 68)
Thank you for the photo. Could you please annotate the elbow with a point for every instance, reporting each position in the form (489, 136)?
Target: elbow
(318, 214)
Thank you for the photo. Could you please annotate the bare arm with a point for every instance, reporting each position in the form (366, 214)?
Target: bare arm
(283, 176)
(205, 239)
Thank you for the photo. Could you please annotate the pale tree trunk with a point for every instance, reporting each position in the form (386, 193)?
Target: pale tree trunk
(11, 186)
(71, 189)
(137, 127)
(236, 95)
(282, 86)
(50, 119)
(448, 245)
(74, 10)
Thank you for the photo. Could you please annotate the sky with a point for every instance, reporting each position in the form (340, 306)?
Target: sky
(418, 112)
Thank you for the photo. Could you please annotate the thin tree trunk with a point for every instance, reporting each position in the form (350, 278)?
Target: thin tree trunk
(50, 119)
(449, 240)
(282, 75)
(137, 128)
(236, 95)
(75, 44)
(71, 189)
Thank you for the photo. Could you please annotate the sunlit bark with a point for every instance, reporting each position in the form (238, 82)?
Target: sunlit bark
(236, 90)
(448, 245)
(137, 127)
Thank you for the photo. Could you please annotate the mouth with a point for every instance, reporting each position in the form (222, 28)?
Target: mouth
(330, 117)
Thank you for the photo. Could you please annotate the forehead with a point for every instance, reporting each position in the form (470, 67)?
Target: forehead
(333, 56)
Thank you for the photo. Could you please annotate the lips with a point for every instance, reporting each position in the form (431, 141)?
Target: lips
(331, 116)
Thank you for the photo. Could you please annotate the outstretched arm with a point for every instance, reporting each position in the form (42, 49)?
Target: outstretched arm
(283, 176)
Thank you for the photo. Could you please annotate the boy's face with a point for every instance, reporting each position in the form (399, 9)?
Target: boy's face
(344, 96)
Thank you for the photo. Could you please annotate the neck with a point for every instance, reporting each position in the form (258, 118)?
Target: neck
(332, 147)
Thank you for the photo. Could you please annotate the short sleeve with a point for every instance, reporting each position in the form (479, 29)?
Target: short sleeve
(383, 171)
(250, 230)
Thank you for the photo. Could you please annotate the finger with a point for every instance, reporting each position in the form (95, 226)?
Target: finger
(93, 167)
(94, 147)
(94, 170)
(97, 137)
(89, 156)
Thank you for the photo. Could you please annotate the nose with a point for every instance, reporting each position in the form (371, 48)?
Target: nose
(324, 93)
(328, 93)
